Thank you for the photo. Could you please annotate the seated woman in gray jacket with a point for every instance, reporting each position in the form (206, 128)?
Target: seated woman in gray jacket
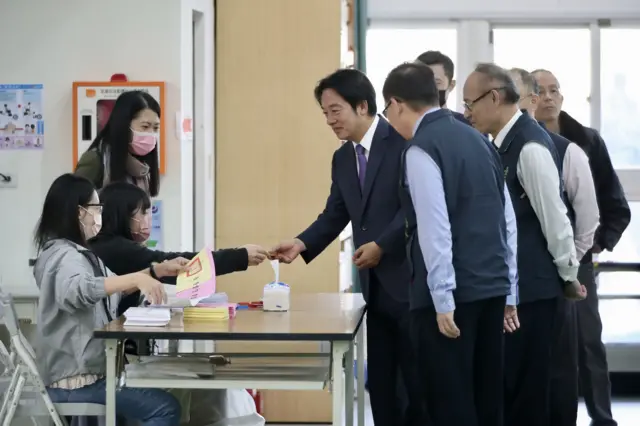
(77, 293)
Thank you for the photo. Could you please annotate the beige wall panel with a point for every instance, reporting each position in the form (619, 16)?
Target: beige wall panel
(273, 151)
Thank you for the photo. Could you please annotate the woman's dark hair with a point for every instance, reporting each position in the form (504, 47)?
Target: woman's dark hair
(120, 201)
(59, 218)
(116, 136)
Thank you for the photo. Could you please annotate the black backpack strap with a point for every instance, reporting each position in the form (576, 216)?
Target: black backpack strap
(98, 271)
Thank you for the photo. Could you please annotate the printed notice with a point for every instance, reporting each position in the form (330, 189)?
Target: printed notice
(21, 116)
(199, 280)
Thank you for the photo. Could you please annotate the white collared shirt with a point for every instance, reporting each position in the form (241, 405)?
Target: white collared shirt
(367, 140)
(537, 173)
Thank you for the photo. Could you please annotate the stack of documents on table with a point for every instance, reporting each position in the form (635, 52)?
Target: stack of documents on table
(210, 312)
(147, 317)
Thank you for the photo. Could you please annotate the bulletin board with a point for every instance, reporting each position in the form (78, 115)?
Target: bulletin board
(93, 103)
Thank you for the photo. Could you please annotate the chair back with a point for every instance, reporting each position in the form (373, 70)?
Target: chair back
(7, 359)
(21, 346)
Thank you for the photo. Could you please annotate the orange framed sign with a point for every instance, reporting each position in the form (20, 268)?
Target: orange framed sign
(92, 105)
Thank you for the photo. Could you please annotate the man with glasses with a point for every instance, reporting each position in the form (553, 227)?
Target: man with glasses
(580, 198)
(461, 243)
(614, 219)
(547, 264)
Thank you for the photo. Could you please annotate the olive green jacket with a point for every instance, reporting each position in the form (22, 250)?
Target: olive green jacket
(90, 166)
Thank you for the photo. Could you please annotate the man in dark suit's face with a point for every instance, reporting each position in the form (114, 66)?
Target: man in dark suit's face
(347, 122)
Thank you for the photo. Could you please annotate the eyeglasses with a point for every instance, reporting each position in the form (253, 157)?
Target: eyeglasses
(386, 108)
(95, 206)
(469, 105)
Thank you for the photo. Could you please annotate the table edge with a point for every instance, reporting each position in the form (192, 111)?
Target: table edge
(222, 336)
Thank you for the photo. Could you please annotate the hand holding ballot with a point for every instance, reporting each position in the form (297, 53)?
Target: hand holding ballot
(170, 268)
(287, 251)
(256, 254)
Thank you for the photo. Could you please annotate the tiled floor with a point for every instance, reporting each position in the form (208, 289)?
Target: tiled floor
(625, 411)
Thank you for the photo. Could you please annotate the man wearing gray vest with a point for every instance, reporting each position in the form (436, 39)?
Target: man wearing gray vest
(583, 209)
(547, 264)
(461, 248)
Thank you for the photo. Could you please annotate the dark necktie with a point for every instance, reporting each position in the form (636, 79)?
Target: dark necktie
(362, 163)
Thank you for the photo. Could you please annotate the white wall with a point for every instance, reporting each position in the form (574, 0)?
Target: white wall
(58, 42)
(547, 10)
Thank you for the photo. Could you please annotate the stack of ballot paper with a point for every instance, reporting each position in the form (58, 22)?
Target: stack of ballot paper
(147, 317)
(210, 312)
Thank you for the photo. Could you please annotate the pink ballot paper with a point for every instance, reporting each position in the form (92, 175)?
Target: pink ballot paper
(199, 280)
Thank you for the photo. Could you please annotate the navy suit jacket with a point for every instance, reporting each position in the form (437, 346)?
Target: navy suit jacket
(374, 211)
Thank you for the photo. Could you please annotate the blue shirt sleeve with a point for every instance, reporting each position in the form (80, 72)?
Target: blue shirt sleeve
(424, 179)
(512, 247)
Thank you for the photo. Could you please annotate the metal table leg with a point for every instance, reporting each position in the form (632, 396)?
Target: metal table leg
(111, 346)
(360, 359)
(338, 349)
(348, 387)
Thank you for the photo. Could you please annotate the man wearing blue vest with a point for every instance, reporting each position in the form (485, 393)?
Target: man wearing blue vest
(547, 264)
(581, 201)
(461, 247)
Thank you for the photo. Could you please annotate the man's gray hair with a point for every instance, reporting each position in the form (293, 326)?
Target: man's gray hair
(539, 70)
(528, 80)
(502, 80)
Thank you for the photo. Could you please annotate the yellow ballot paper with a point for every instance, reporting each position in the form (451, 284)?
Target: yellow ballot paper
(199, 280)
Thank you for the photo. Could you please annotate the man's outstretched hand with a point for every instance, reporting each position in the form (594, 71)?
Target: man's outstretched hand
(287, 251)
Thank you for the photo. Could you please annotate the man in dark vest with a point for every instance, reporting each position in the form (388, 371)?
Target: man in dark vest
(614, 219)
(582, 204)
(547, 264)
(462, 265)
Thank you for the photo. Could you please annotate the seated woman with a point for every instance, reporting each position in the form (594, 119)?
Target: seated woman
(126, 226)
(126, 222)
(77, 293)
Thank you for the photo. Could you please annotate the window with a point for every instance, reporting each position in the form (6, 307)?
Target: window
(389, 47)
(620, 91)
(627, 250)
(563, 51)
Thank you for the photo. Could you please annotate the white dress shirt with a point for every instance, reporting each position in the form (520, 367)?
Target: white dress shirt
(581, 193)
(366, 141)
(537, 173)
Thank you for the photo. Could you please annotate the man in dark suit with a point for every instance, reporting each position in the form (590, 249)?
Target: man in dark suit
(443, 70)
(364, 191)
(462, 250)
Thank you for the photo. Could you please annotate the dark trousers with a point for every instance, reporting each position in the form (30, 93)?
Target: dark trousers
(592, 356)
(461, 378)
(563, 402)
(527, 365)
(389, 351)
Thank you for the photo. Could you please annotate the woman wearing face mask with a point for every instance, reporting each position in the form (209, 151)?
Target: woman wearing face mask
(77, 292)
(126, 150)
(126, 225)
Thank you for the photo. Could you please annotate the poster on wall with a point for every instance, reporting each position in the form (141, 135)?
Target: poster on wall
(155, 239)
(21, 116)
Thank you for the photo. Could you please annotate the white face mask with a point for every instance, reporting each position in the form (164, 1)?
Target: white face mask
(90, 230)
